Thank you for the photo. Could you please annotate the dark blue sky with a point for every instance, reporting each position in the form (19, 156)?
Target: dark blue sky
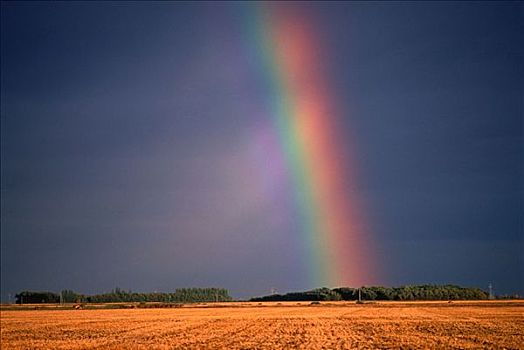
(128, 156)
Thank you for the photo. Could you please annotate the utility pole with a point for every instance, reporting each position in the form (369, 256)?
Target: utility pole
(360, 295)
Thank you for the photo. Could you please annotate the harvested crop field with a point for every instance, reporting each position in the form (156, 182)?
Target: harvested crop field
(330, 325)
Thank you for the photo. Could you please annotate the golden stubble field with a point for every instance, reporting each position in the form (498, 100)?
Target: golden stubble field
(330, 325)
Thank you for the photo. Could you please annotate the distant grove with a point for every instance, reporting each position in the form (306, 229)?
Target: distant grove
(422, 292)
(189, 295)
(180, 295)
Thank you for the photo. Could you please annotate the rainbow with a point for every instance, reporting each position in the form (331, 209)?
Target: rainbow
(307, 122)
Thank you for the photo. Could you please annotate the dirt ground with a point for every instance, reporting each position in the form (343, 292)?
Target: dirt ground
(290, 325)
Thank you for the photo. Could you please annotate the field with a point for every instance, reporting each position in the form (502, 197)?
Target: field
(329, 325)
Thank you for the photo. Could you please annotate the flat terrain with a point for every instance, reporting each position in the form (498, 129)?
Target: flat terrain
(330, 325)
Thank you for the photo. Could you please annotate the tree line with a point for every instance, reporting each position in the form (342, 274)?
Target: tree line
(420, 292)
(180, 295)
